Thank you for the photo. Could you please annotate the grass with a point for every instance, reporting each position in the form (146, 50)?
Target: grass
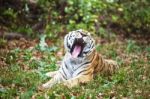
(25, 71)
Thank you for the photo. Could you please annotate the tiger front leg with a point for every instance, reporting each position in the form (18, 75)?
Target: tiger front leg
(51, 74)
(49, 84)
(77, 80)
(56, 79)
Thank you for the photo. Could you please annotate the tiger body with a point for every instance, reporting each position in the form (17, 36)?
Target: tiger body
(80, 65)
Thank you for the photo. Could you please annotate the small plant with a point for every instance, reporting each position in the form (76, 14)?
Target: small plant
(132, 47)
(42, 46)
(3, 42)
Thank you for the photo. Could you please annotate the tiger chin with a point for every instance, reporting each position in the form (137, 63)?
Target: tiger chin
(81, 61)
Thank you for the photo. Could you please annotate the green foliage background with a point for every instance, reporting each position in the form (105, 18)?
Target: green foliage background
(66, 15)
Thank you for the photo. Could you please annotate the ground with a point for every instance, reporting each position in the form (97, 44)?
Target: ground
(23, 64)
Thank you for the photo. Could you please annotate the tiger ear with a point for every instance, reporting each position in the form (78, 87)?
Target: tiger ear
(65, 40)
(66, 45)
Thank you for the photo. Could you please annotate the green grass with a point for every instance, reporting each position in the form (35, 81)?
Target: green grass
(26, 68)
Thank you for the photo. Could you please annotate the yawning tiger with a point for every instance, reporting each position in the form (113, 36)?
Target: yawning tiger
(81, 61)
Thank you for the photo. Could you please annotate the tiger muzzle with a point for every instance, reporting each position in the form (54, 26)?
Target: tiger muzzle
(77, 47)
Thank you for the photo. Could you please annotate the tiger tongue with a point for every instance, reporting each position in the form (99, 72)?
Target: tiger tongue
(76, 51)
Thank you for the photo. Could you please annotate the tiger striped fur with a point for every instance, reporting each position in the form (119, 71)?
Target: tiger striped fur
(81, 61)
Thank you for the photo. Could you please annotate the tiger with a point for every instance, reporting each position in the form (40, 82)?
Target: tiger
(81, 61)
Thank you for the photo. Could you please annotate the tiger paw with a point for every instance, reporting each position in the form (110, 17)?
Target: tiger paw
(40, 88)
(46, 86)
(51, 74)
(69, 84)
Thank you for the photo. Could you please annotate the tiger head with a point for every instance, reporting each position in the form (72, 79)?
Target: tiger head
(79, 43)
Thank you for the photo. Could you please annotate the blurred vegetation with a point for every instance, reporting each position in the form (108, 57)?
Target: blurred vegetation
(24, 62)
(55, 17)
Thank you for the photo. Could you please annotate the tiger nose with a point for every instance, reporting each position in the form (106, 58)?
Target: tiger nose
(79, 36)
(84, 38)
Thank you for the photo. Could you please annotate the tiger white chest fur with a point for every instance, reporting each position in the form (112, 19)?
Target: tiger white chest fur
(71, 67)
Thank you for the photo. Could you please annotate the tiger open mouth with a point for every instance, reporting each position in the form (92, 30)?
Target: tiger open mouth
(77, 48)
